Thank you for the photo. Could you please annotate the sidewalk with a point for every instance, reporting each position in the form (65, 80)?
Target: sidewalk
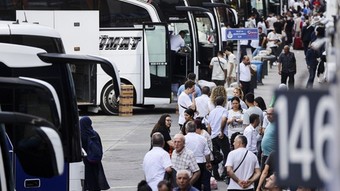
(127, 139)
(273, 79)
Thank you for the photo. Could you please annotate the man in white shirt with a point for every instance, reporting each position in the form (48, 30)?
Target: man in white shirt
(251, 133)
(199, 146)
(271, 20)
(274, 40)
(191, 76)
(231, 58)
(219, 69)
(156, 162)
(177, 41)
(217, 127)
(251, 22)
(202, 103)
(242, 175)
(184, 102)
(245, 76)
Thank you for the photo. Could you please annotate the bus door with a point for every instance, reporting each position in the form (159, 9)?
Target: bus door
(225, 17)
(157, 68)
(207, 43)
(204, 30)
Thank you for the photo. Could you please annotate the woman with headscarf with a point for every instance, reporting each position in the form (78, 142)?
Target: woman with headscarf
(94, 173)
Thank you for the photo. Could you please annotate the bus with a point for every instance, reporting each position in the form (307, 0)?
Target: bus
(55, 69)
(45, 156)
(94, 88)
(32, 141)
(263, 7)
(133, 34)
(224, 16)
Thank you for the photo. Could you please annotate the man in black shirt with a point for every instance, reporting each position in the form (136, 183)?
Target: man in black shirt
(287, 67)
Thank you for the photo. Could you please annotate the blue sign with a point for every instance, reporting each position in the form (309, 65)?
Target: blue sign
(242, 34)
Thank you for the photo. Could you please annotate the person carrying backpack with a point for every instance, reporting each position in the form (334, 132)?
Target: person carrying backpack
(94, 173)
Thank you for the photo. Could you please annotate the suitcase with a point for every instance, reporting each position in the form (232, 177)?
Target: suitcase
(297, 44)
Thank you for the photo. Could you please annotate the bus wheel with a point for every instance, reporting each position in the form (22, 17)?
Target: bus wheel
(109, 102)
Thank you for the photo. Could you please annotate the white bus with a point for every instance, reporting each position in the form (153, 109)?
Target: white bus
(20, 57)
(89, 79)
(224, 16)
(28, 142)
(133, 34)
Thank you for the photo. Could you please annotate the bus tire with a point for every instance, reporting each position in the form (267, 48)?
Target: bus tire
(109, 101)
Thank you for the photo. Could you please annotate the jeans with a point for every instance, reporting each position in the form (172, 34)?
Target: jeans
(257, 50)
(312, 71)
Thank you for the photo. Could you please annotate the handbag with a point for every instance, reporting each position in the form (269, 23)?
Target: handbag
(228, 178)
(218, 157)
(171, 177)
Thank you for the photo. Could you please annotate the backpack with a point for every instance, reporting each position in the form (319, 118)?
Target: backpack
(94, 149)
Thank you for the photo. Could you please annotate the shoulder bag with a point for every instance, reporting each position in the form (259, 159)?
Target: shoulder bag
(241, 162)
(219, 62)
(228, 178)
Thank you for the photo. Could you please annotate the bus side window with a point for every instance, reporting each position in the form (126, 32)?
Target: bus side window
(125, 15)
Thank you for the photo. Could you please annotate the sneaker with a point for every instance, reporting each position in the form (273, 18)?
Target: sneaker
(275, 64)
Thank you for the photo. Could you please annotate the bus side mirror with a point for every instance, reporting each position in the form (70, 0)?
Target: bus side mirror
(35, 142)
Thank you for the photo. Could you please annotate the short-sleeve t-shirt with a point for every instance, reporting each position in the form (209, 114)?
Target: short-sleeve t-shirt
(218, 64)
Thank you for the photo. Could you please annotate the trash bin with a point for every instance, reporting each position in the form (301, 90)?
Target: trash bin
(258, 69)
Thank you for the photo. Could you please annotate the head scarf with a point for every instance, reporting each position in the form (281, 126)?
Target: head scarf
(86, 125)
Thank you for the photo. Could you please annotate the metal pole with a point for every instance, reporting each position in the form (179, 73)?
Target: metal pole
(186, 65)
(237, 63)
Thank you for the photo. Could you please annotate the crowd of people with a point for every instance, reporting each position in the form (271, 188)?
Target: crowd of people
(232, 139)
(218, 139)
(302, 27)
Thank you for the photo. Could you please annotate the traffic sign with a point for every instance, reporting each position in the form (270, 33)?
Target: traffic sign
(306, 135)
(241, 34)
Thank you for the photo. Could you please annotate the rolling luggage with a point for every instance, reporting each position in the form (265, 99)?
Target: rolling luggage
(297, 44)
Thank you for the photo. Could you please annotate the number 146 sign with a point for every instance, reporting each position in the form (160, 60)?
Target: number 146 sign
(306, 134)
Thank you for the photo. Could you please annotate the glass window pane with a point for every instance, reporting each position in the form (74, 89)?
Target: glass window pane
(156, 47)
(120, 14)
(205, 31)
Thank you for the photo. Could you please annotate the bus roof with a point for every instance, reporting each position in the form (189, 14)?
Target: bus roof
(14, 28)
(18, 56)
